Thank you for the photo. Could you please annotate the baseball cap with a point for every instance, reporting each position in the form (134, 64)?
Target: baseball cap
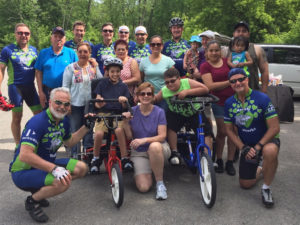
(235, 71)
(58, 30)
(242, 24)
(140, 28)
(208, 33)
(124, 27)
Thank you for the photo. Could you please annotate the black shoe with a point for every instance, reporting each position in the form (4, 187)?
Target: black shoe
(220, 167)
(44, 203)
(127, 164)
(35, 210)
(267, 198)
(95, 165)
(236, 155)
(230, 168)
(175, 159)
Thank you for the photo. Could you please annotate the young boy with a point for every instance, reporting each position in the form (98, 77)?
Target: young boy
(176, 115)
(111, 87)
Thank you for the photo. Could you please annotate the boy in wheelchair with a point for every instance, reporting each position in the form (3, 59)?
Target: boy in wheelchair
(177, 115)
(111, 87)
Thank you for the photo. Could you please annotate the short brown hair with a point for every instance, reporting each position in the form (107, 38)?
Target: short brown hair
(143, 86)
(121, 42)
(86, 44)
(107, 24)
(21, 25)
(78, 23)
(172, 72)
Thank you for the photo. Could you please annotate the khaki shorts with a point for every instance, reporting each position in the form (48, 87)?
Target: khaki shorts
(100, 126)
(141, 160)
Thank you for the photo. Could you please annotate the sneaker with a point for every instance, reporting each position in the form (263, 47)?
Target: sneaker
(236, 155)
(127, 164)
(220, 167)
(95, 165)
(35, 210)
(230, 168)
(174, 158)
(161, 192)
(267, 199)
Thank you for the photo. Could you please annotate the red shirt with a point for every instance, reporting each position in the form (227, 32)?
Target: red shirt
(218, 74)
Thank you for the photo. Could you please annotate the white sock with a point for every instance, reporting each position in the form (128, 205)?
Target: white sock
(95, 158)
(160, 182)
(265, 186)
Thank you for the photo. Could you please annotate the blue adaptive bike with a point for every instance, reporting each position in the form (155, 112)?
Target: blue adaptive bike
(194, 151)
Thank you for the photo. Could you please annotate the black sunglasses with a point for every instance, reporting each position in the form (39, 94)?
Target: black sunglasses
(146, 93)
(155, 44)
(170, 81)
(241, 79)
(123, 32)
(140, 34)
(21, 33)
(105, 31)
(66, 104)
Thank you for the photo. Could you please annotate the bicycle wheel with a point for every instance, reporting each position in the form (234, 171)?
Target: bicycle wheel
(208, 184)
(117, 185)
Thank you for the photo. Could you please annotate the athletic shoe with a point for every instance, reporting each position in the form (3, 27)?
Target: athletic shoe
(174, 158)
(35, 210)
(220, 167)
(127, 164)
(161, 192)
(267, 198)
(230, 168)
(95, 165)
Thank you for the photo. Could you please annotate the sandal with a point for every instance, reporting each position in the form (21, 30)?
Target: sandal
(35, 210)
(175, 159)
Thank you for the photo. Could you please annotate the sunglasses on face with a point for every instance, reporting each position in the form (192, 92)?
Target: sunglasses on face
(172, 81)
(140, 34)
(146, 94)
(21, 33)
(107, 31)
(65, 104)
(155, 44)
(233, 81)
(123, 32)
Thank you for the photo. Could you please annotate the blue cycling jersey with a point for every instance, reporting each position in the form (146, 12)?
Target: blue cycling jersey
(250, 117)
(19, 64)
(44, 135)
(140, 51)
(101, 52)
(73, 45)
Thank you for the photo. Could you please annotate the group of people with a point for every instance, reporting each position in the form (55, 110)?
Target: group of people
(146, 75)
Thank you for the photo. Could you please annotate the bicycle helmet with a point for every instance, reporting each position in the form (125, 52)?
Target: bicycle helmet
(176, 21)
(113, 62)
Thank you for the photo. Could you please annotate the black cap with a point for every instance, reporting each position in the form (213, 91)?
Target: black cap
(242, 24)
(58, 30)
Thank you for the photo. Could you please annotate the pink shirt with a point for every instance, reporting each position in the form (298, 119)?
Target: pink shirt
(126, 74)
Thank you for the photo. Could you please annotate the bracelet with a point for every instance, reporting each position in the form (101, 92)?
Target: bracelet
(260, 145)
(54, 168)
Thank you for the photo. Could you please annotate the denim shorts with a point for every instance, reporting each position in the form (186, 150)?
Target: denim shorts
(218, 111)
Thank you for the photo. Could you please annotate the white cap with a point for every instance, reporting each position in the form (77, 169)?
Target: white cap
(208, 33)
(140, 28)
(124, 27)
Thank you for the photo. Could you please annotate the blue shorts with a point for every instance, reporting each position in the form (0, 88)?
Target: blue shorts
(34, 179)
(218, 111)
(28, 93)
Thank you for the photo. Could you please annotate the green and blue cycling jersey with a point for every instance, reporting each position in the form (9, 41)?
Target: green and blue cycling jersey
(20, 63)
(73, 45)
(140, 51)
(45, 136)
(251, 116)
(176, 51)
(101, 52)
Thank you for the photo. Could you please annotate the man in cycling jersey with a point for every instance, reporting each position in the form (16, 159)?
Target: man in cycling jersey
(254, 115)
(142, 49)
(124, 35)
(19, 59)
(35, 167)
(176, 47)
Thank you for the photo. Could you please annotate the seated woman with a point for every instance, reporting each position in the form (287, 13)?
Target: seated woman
(147, 129)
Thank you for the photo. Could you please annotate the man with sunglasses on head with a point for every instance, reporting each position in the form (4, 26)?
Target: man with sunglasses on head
(19, 59)
(176, 47)
(35, 167)
(141, 49)
(256, 120)
(104, 50)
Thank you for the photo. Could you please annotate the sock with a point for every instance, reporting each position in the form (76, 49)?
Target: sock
(174, 150)
(124, 158)
(265, 186)
(160, 182)
(95, 158)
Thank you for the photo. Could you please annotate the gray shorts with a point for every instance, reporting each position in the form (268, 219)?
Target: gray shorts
(141, 160)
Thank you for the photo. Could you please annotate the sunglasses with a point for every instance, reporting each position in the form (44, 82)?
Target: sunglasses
(21, 33)
(123, 32)
(140, 34)
(155, 44)
(66, 104)
(107, 31)
(146, 93)
(233, 81)
(170, 81)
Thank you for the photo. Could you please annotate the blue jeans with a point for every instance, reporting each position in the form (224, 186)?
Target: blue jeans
(76, 120)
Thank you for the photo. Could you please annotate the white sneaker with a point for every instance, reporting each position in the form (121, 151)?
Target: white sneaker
(161, 192)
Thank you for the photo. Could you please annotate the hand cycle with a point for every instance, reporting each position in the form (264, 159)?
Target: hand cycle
(112, 162)
(192, 148)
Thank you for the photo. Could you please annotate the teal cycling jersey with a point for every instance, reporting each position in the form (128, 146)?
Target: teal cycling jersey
(44, 135)
(20, 64)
